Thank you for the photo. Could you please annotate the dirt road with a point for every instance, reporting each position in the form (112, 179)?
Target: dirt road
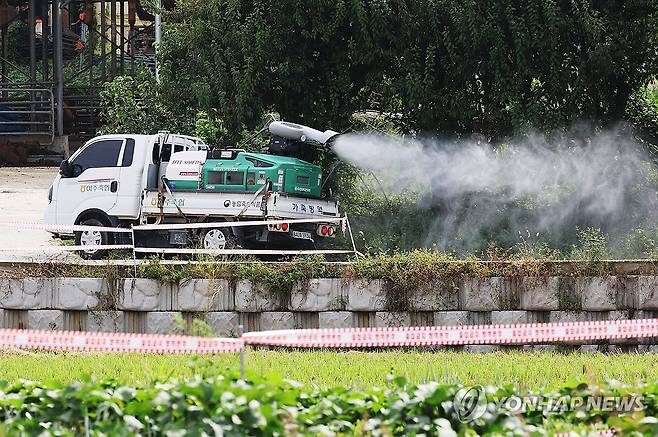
(23, 198)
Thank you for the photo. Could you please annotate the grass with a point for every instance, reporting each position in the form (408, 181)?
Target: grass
(327, 368)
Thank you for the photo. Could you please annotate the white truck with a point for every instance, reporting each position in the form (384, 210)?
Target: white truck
(126, 180)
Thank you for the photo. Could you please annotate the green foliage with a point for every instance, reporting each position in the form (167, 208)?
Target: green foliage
(426, 272)
(402, 272)
(17, 35)
(642, 111)
(593, 246)
(210, 129)
(154, 269)
(453, 68)
(228, 406)
(532, 248)
(279, 278)
(641, 242)
(132, 105)
(384, 223)
(421, 270)
(196, 327)
(282, 279)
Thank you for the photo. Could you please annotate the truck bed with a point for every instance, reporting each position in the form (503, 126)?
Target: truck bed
(224, 204)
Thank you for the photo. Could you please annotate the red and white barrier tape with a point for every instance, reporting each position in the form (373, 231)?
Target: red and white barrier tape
(530, 333)
(62, 228)
(67, 248)
(236, 223)
(83, 228)
(110, 342)
(335, 338)
(237, 251)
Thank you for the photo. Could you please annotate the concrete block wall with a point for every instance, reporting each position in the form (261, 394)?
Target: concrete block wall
(145, 305)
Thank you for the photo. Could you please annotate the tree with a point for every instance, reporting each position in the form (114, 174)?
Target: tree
(131, 105)
(437, 65)
(309, 62)
(498, 67)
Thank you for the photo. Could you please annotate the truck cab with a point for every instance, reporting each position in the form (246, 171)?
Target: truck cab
(104, 179)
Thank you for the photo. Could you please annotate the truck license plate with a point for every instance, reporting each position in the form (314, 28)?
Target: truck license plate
(301, 235)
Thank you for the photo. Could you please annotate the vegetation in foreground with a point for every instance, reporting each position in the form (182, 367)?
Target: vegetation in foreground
(339, 393)
(225, 405)
(358, 369)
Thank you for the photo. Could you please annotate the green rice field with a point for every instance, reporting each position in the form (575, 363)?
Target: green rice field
(531, 370)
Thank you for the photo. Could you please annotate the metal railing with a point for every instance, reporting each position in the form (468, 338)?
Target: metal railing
(84, 104)
(27, 111)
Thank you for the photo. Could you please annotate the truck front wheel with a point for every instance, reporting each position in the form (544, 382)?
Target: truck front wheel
(92, 238)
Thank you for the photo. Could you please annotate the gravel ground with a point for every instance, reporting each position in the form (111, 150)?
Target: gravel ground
(23, 199)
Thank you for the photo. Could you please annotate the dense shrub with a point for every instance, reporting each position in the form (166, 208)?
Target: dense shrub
(227, 406)
(438, 66)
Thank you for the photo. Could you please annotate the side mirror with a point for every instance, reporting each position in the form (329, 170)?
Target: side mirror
(65, 169)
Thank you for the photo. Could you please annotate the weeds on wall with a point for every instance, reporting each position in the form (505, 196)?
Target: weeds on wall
(404, 273)
(195, 326)
(278, 278)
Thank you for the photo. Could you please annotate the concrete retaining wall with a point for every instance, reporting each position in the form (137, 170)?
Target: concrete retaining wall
(144, 305)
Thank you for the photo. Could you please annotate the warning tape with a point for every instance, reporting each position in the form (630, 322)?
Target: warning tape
(82, 228)
(62, 228)
(168, 226)
(529, 333)
(67, 248)
(237, 251)
(175, 344)
(115, 342)
(334, 338)
(235, 224)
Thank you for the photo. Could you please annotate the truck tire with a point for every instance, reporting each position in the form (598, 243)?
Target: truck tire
(92, 238)
(218, 239)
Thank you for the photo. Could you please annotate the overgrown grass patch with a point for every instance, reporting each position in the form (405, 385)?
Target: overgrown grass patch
(327, 368)
(418, 267)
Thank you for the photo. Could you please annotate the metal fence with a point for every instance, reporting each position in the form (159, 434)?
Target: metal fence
(27, 111)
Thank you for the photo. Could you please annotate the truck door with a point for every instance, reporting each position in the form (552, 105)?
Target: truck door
(132, 161)
(94, 183)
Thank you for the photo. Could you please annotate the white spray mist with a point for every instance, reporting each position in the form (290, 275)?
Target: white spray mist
(599, 181)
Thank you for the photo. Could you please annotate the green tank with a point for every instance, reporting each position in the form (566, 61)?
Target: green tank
(230, 170)
(285, 167)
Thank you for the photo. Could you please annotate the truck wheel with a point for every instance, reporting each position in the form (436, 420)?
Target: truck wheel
(92, 238)
(219, 239)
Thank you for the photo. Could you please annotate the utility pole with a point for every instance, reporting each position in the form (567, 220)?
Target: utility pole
(59, 65)
(61, 141)
(31, 18)
(158, 37)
